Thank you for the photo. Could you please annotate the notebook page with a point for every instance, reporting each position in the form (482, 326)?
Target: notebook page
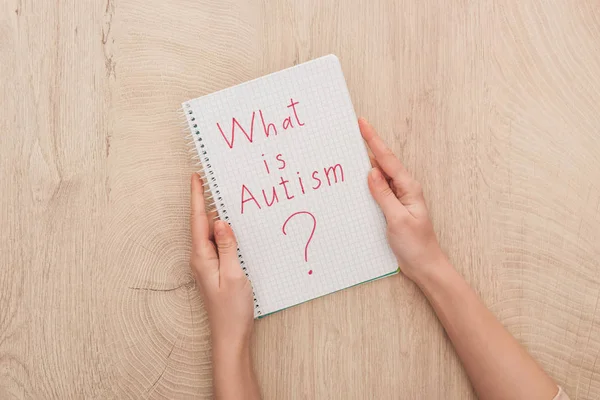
(295, 192)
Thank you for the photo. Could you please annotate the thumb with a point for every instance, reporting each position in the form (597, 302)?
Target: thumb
(384, 195)
(229, 265)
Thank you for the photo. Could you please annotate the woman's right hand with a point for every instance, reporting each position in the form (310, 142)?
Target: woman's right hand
(496, 364)
(409, 229)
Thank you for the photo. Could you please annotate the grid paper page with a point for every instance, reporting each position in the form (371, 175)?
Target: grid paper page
(312, 173)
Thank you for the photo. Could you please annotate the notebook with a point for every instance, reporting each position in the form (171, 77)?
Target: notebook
(285, 165)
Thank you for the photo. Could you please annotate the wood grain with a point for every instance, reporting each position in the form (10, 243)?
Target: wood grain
(493, 105)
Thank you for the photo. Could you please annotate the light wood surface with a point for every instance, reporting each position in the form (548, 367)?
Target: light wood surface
(492, 104)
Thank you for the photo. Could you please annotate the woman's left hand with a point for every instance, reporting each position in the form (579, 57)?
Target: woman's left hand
(226, 291)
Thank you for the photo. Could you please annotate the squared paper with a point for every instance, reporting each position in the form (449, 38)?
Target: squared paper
(349, 245)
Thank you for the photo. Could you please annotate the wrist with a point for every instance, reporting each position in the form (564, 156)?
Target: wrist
(231, 349)
(233, 374)
(230, 338)
(432, 273)
(231, 360)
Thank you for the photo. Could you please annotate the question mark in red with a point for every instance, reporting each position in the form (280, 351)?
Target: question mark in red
(311, 233)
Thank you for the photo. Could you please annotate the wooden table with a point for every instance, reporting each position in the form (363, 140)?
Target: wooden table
(494, 105)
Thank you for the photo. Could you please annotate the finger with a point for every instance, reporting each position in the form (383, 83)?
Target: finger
(372, 159)
(229, 265)
(388, 162)
(384, 196)
(199, 220)
(212, 216)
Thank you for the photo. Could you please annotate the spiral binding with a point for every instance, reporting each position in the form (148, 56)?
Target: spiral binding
(209, 182)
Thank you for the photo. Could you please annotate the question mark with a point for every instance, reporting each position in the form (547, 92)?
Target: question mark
(311, 233)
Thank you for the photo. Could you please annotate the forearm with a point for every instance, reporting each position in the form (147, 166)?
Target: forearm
(497, 365)
(233, 374)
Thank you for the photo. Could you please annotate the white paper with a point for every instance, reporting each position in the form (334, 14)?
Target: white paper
(349, 245)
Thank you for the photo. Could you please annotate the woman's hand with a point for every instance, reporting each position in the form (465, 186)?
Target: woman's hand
(226, 291)
(498, 367)
(409, 230)
(228, 299)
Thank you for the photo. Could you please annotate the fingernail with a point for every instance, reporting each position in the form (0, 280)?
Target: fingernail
(376, 174)
(219, 228)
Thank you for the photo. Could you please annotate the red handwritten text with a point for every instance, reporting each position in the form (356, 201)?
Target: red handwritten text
(288, 189)
(312, 232)
(269, 127)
